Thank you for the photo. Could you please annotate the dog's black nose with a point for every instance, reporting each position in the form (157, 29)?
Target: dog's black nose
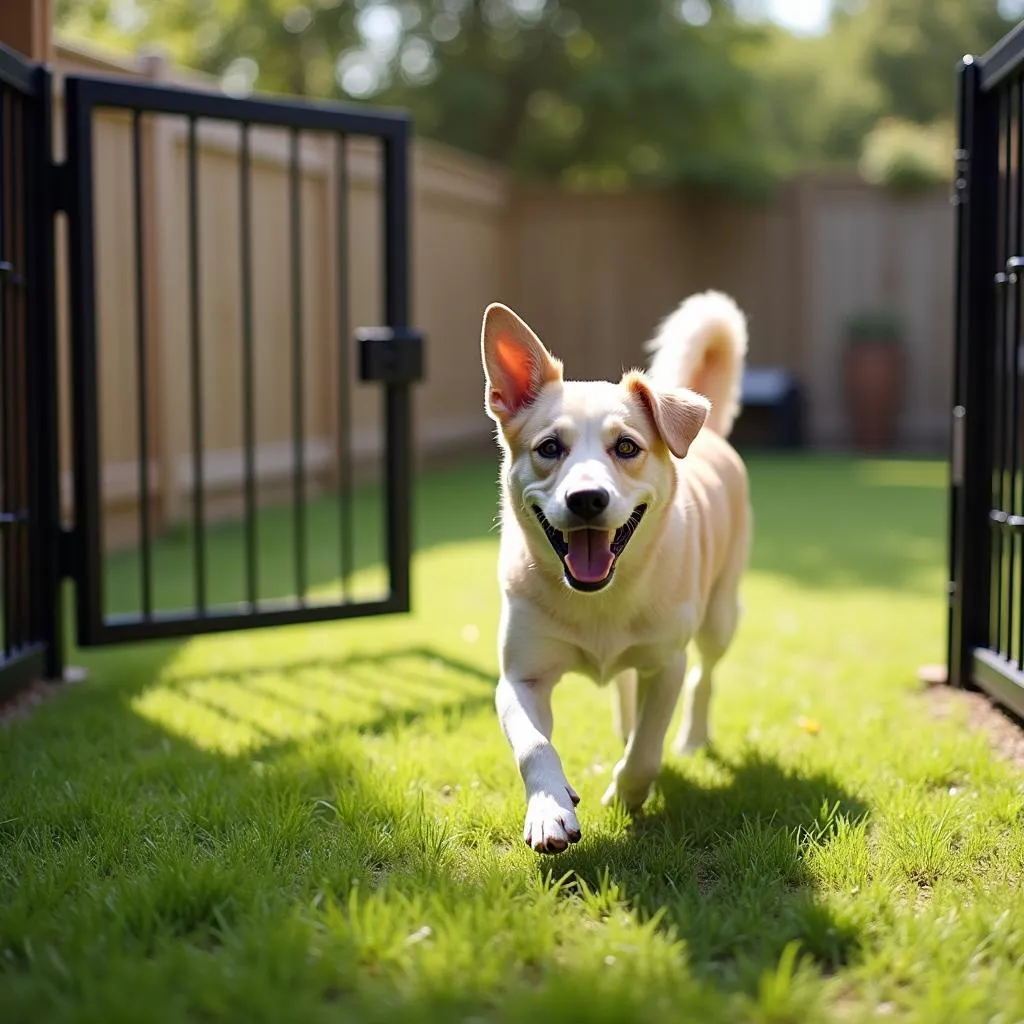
(588, 504)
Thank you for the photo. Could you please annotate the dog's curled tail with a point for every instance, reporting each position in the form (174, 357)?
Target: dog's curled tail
(703, 346)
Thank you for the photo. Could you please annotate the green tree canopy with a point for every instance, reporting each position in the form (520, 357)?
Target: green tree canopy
(592, 93)
(881, 60)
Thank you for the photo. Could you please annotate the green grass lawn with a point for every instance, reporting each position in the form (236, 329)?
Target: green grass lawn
(324, 823)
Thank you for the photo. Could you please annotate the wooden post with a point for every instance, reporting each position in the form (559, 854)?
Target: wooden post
(27, 26)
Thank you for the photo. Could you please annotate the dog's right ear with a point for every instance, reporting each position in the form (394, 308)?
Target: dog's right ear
(516, 364)
(678, 414)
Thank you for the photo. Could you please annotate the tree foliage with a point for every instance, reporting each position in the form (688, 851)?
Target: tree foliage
(881, 60)
(274, 45)
(592, 93)
(595, 92)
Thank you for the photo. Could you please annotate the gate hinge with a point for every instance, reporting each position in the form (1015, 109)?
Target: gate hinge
(961, 173)
(391, 355)
(66, 558)
(60, 187)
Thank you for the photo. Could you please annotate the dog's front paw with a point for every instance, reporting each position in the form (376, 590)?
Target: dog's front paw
(551, 823)
(628, 790)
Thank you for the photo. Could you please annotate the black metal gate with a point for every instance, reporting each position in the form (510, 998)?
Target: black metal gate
(29, 597)
(986, 628)
(37, 551)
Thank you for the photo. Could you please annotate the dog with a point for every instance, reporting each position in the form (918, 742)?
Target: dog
(625, 531)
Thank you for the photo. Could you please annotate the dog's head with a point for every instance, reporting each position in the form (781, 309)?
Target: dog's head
(587, 461)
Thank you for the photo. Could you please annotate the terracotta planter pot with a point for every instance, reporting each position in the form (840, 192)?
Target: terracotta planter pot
(873, 372)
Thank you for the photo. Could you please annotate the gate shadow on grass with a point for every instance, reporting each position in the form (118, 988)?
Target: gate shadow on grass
(366, 693)
(725, 865)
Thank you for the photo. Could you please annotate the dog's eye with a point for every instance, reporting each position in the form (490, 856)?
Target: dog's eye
(626, 449)
(549, 448)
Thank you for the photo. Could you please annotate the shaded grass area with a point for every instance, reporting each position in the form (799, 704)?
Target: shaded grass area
(323, 823)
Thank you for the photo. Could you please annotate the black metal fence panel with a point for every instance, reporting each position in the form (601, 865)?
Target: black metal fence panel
(37, 553)
(391, 359)
(29, 607)
(986, 636)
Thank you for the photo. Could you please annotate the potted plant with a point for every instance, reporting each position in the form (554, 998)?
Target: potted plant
(873, 376)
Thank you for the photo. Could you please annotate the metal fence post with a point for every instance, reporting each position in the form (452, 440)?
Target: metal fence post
(43, 381)
(397, 399)
(975, 350)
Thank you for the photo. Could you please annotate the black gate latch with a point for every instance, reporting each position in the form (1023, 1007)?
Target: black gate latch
(390, 355)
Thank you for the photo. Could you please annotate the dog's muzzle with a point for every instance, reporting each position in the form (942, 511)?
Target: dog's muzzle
(589, 555)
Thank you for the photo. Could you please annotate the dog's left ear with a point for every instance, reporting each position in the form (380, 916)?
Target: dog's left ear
(516, 363)
(678, 414)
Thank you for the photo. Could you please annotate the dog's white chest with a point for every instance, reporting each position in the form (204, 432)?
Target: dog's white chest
(602, 666)
(605, 652)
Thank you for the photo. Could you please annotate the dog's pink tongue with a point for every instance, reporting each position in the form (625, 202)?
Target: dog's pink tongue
(590, 554)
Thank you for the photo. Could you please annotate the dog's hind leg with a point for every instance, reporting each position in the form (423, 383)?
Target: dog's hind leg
(657, 694)
(713, 639)
(624, 703)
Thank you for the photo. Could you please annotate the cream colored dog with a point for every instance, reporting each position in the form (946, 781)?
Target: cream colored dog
(625, 531)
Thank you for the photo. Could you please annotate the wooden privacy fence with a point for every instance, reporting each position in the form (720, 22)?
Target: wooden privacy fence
(594, 274)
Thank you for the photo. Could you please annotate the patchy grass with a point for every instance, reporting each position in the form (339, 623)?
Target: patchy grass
(319, 824)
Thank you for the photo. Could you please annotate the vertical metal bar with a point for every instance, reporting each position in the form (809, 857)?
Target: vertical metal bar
(1007, 374)
(6, 377)
(9, 371)
(84, 383)
(15, 343)
(23, 568)
(198, 483)
(146, 555)
(397, 406)
(976, 326)
(43, 385)
(17, 637)
(997, 369)
(33, 225)
(344, 398)
(298, 389)
(956, 452)
(248, 357)
(1016, 642)
(1017, 597)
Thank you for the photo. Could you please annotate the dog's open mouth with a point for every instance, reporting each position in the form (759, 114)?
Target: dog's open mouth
(589, 556)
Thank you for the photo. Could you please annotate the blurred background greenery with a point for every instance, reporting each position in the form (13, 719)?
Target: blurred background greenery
(605, 94)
